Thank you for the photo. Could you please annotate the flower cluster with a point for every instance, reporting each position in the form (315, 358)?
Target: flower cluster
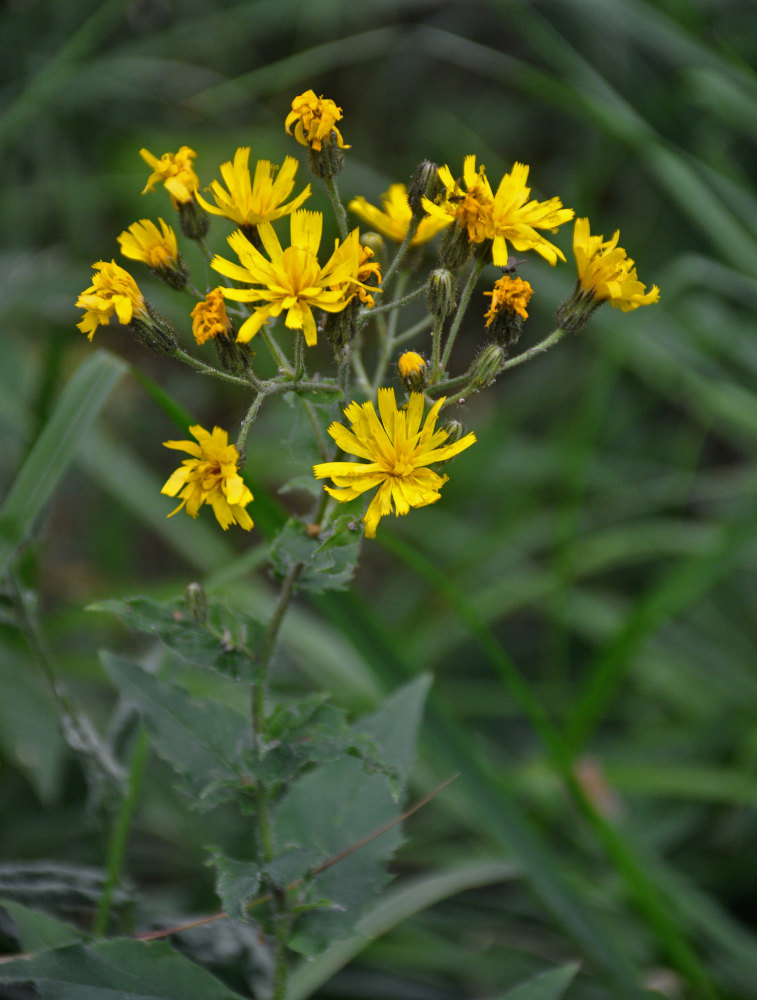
(279, 276)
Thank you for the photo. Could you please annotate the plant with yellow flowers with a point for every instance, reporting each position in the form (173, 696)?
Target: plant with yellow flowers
(383, 408)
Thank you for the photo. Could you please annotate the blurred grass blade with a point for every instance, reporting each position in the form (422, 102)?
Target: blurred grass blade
(395, 906)
(55, 449)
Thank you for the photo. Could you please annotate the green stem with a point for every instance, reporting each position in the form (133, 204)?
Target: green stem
(554, 338)
(276, 353)
(249, 420)
(365, 314)
(120, 832)
(401, 252)
(478, 266)
(387, 338)
(203, 369)
(436, 348)
(336, 203)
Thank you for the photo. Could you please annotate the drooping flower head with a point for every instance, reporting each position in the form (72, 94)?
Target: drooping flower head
(209, 317)
(510, 295)
(210, 476)
(292, 280)
(398, 451)
(250, 201)
(393, 218)
(113, 292)
(606, 272)
(175, 171)
(314, 119)
(502, 216)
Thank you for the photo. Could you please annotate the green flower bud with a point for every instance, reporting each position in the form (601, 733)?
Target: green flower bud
(154, 331)
(488, 365)
(197, 602)
(454, 248)
(441, 292)
(424, 183)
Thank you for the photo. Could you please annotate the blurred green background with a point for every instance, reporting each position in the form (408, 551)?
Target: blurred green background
(599, 540)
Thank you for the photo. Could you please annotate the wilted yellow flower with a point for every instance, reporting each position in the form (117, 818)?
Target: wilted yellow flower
(292, 281)
(211, 476)
(113, 292)
(510, 294)
(398, 451)
(368, 276)
(144, 241)
(314, 119)
(209, 317)
(175, 171)
(393, 218)
(606, 272)
(504, 216)
(250, 201)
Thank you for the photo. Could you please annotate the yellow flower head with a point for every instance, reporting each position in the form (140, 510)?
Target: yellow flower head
(509, 294)
(250, 201)
(393, 218)
(314, 119)
(210, 476)
(113, 291)
(501, 216)
(410, 363)
(175, 171)
(606, 273)
(209, 318)
(292, 280)
(155, 247)
(398, 452)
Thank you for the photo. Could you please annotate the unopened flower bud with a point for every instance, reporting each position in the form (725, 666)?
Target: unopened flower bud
(197, 602)
(488, 365)
(413, 371)
(454, 431)
(441, 292)
(424, 183)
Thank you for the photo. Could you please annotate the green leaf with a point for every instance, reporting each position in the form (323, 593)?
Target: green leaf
(30, 733)
(546, 986)
(116, 970)
(204, 741)
(305, 732)
(337, 805)
(55, 449)
(237, 882)
(225, 642)
(329, 559)
(35, 931)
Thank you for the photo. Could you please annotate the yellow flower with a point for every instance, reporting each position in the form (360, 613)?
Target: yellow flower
(606, 273)
(504, 216)
(292, 281)
(144, 241)
(393, 219)
(176, 172)
(209, 318)
(248, 201)
(113, 291)
(314, 119)
(510, 294)
(211, 476)
(398, 451)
